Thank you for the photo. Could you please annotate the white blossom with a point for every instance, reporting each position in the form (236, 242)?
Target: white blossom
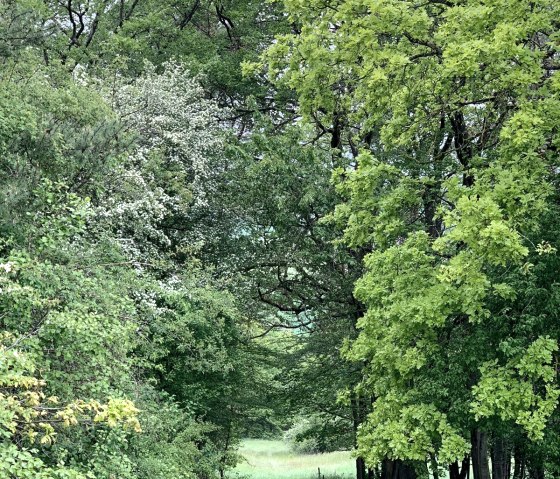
(170, 114)
(173, 122)
(7, 267)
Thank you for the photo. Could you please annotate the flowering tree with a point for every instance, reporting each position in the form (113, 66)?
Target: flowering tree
(175, 132)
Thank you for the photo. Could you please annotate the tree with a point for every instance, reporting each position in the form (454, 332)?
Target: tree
(93, 197)
(445, 110)
(29, 418)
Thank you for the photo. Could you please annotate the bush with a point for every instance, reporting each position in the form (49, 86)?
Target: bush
(318, 434)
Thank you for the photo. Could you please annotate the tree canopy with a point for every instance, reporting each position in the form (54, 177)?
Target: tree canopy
(332, 220)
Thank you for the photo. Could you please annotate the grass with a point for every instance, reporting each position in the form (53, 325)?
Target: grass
(266, 459)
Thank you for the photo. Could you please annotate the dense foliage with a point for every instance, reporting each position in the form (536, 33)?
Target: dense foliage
(334, 221)
(451, 111)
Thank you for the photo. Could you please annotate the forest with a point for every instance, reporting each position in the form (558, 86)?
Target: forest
(328, 224)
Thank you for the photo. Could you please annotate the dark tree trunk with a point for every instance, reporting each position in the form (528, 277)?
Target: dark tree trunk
(434, 466)
(460, 473)
(388, 469)
(519, 460)
(359, 410)
(501, 460)
(479, 454)
(360, 468)
(397, 470)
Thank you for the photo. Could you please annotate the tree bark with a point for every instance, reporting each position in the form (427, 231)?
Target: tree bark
(434, 466)
(360, 468)
(357, 418)
(501, 460)
(519, 460)
(397, 470)
(479, 454)
(460, 473)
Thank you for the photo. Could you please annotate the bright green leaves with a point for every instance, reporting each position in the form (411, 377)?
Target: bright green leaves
(381, 202)
(457, 102)
(486, 39)
(405, 302)
(525, 390)
(401, 429)
(482, 40)
(468, 285)
(478, 223)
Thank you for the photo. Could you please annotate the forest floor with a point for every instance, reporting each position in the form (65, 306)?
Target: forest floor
(268, 459)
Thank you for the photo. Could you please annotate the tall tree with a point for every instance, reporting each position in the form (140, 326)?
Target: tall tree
(452, 111)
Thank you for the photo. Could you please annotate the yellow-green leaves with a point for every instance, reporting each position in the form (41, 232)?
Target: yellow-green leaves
(525, 390)
(400, 429)
(458, 104)
(479, 223)
(26, 410)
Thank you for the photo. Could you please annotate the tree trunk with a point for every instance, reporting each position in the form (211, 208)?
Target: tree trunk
(460, 473)
(360, 468)
(501, 460)
(357, 413)
(434, 466)
(397, 470)
(479, 454)
(519, 459)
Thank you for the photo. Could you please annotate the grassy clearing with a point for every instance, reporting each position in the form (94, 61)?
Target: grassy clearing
(266, 459)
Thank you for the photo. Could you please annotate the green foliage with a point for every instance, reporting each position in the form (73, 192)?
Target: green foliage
(316, 434)
(513, 392)
(29, 417)
(442, 106)
(98, 175)
(174, 254)
(263, 230)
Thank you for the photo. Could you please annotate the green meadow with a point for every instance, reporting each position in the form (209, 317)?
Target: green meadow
(273, 459)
